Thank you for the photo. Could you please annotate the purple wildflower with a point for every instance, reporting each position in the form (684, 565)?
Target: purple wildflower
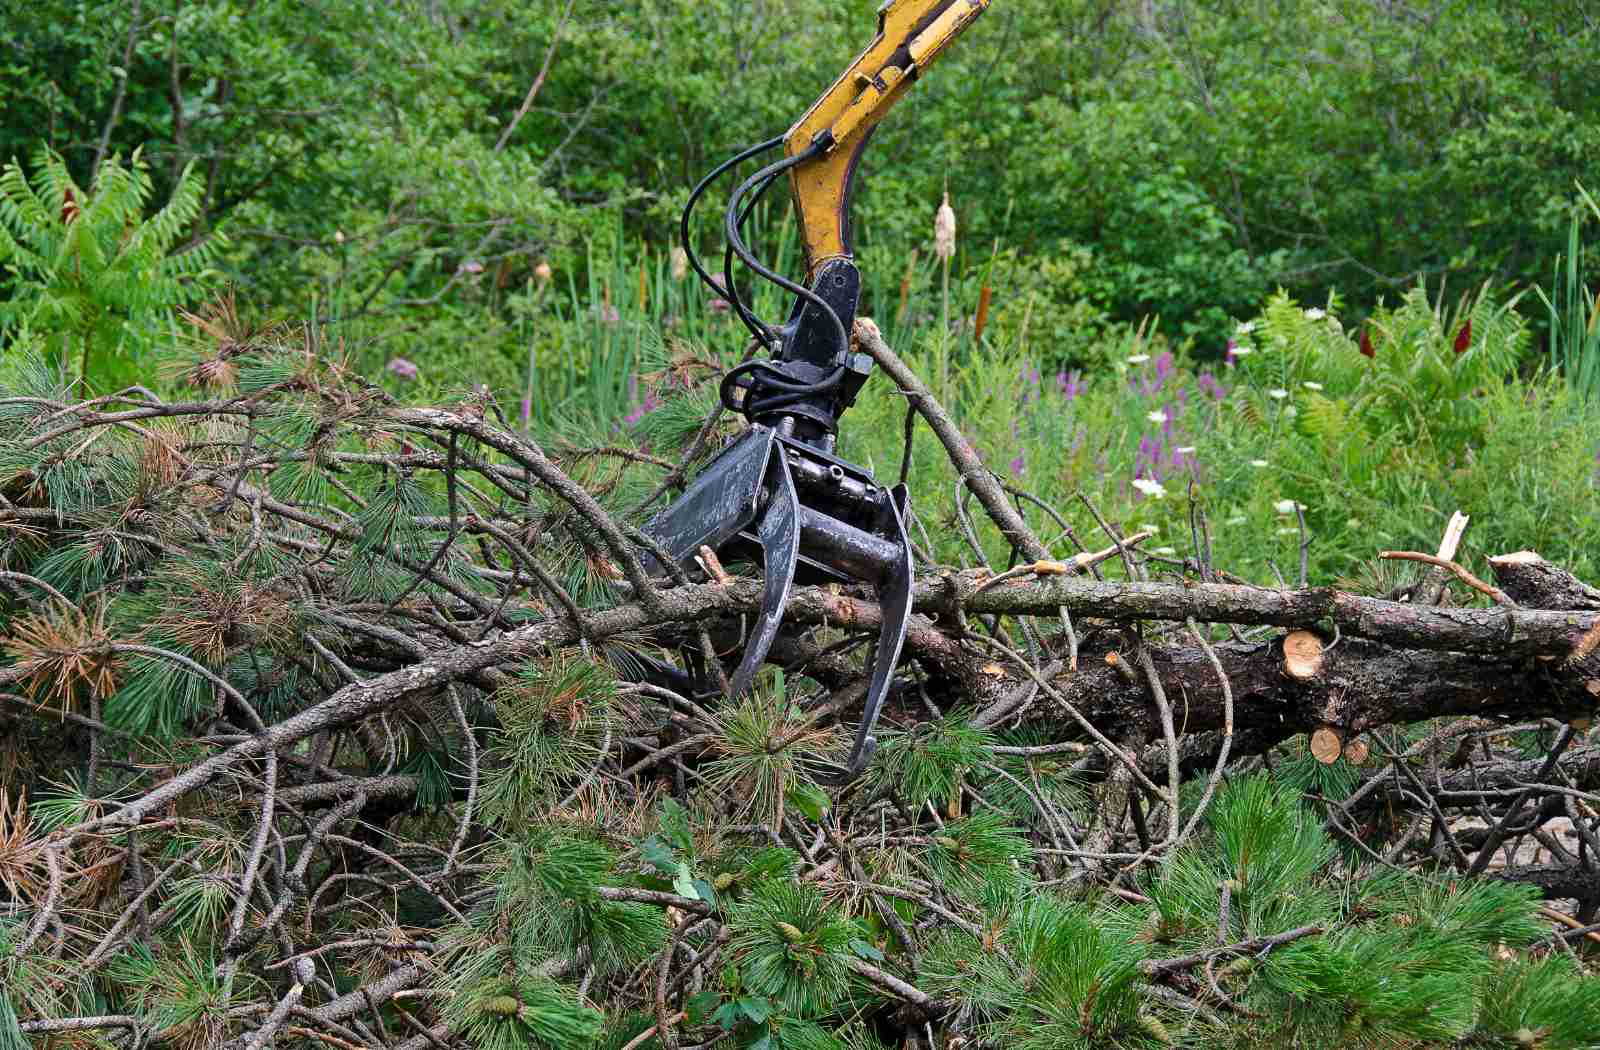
(1070, 386)
(1148, 386)
(719, 306)
(648, 405)
(1030, 383)
(1017, 465)
(1208, 382)
(1147, 460)
(1165, 365)
(401, 367)
(1231, 358)
(527, 410)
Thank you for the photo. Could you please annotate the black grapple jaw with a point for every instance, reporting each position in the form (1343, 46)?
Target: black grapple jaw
(807, 516)
(777, 494)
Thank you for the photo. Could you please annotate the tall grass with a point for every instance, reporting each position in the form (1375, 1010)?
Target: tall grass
(589, 343)
(1575, 316)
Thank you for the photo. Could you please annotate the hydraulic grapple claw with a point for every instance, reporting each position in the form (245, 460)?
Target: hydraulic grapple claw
(778, 493)
(779, 535)
(808, 516)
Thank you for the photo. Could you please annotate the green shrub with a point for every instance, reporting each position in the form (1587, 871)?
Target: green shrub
(89, 272)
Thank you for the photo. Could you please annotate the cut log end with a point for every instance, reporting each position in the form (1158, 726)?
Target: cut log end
(1356, 751)
(1327, 744)
(1302, 655)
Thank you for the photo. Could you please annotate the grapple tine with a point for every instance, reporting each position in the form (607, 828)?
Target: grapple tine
(894, 598)
(779, 533)
(719, 504)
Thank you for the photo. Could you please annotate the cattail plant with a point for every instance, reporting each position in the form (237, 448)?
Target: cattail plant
(944, 246)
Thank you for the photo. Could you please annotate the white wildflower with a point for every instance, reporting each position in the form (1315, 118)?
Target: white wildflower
(1315, 313)
(1153, 489)
(1285, 506)
(1185, 450)
(1237, 519)
(1277, 393)
(1287, 531)
(1311, 386)
(1158, 416)
(1258, 463)
(1138, 359)
(1147, 527)
(1168, 551)
(1291, 412)
(1240, 351)
(1245, 328)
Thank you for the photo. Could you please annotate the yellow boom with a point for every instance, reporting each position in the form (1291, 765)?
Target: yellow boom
(911, 34)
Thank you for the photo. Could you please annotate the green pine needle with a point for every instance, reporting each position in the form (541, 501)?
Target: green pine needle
(792, 948)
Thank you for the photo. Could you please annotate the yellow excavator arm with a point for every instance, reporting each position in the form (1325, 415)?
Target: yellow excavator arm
(779, 492)
(911, 34)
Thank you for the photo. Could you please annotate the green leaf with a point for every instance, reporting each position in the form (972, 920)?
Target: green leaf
(727, 1016)
(866, 950)
(683, 884)
(699, 1007)
(675, 825)
(657, 855)
(810, 800)
(756, 1008)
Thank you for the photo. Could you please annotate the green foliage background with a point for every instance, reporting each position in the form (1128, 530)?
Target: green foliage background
(1199, 153)
(1330, 173)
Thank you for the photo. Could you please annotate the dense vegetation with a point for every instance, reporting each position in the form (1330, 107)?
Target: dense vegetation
(342, 357)
(1182, 159)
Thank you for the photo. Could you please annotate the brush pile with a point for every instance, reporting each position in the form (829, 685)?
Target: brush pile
(325, 722)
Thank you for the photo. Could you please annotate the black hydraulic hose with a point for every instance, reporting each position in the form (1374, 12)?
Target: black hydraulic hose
(759, 328)
(736, 241)
(761, 373)
(688, 212)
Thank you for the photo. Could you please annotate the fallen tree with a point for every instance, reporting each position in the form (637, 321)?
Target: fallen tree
(323, 727)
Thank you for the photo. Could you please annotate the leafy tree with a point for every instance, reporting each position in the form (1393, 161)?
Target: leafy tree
(88, 269)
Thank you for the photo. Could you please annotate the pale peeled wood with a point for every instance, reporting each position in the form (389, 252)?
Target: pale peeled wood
(1302, 655)
(1453, 532)
(1356, 751)
(1327, 745)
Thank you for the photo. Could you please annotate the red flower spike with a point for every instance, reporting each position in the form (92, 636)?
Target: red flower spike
(1464, 337)
(69, 207)
(1366, 345)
